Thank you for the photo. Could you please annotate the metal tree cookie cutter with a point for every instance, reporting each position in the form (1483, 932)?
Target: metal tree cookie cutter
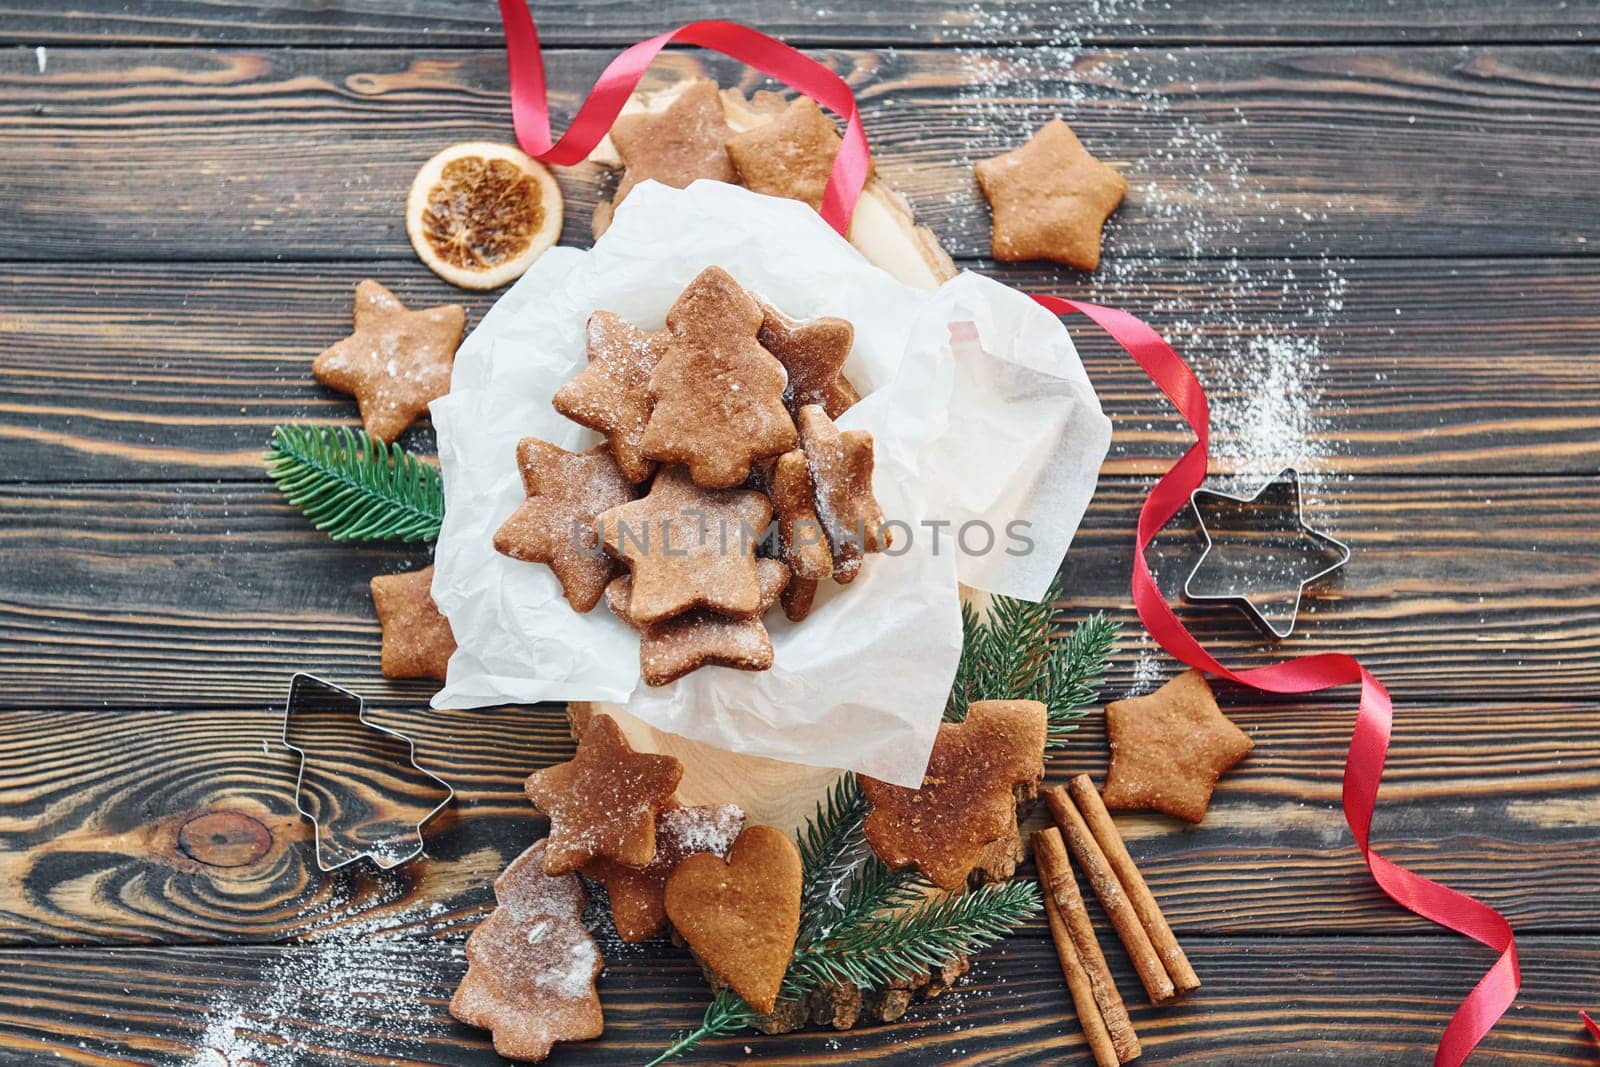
(1260, 554)
(365, 810)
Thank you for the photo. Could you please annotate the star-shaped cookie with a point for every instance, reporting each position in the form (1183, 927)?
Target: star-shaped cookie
(555, 525)
(813, 355)
(718, 394)
(531, 964)
(604, 801)
(790, 155)
(840, 465)
(396, 362)
(689, 547)
(685, 142)
(637, 894)
(1168, 749)
(612, 394)
(674, 647)
(1050, 198)
(417, 642)
(800, 535)
(968, 796)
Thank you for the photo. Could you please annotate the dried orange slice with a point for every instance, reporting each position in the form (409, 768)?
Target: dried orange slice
(480, 213)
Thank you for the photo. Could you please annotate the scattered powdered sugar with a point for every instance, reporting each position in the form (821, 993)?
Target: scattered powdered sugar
(1264, 373)
(700, 829)
(325, 996)
(1146, 671)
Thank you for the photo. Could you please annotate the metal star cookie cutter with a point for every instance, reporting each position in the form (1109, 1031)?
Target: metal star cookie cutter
(374, 838)
(1260, 554)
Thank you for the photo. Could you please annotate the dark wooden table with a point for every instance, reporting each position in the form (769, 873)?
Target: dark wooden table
(1370, 224)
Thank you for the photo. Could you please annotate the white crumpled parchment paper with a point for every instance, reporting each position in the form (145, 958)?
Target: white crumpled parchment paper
(980, 412)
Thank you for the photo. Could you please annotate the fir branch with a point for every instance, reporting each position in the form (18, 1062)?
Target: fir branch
(726, 1014)
(895, 947)
(1009, 653)
(829, 834)
(354, 487)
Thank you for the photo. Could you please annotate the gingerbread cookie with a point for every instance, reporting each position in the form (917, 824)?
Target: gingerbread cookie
(638, 894)
(612, 393)
(417, 642)
(1050, 198)
(689, 548)
(674, 647)
(813, 355)
(967, 800)
(685, 142)
(718, 394)
(1169, 748)
(604, 801)
(396, 362)
(555, 525)
(741, 917)
(797, 598)
(790, 155)
(800, 535)
(841, 475)
(531, 964)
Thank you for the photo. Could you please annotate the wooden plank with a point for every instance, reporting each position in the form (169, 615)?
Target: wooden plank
(436, 23)
(180, 826)
(1284, 1002)
(208, 595)
(1259, 151)
(179, 371)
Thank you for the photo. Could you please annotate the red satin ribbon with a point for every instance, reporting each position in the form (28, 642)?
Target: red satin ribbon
(530, 108)
(1374, 719)
(1369, 746)
(1594, 1028)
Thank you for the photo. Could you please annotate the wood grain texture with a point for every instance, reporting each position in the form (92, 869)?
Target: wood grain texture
(435, 23)
(1288, 1002)
(179, 371)
(180, 826)
(205, 595)
(307, 154)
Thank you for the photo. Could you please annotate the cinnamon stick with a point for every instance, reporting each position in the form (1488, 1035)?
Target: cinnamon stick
(1112, 1040)
(1152, 973)
(1089, 1017)
(1109, 838)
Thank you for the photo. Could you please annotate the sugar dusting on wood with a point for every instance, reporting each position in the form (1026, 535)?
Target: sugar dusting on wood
(317, 999)
(1264, 374)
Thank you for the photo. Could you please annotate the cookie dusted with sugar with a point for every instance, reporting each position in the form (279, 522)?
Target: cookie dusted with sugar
(689, 547)
(718, 394)
(531, 965)
(603, 803)
(612, 394)
(397, 361)
(968, 797)
(840, 465)
(679, 645)
(556, 523)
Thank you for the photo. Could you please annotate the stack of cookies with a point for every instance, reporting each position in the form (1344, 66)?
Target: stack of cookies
(723, 486)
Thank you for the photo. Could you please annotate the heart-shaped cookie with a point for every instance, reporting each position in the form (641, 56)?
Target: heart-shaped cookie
(741, 917)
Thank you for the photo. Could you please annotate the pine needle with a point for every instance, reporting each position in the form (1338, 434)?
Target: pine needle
(1011, 653)
(356, 488)
(898, 946)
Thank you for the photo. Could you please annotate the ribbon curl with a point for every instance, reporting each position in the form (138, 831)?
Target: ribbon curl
(1369, 744)
(530, 107)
